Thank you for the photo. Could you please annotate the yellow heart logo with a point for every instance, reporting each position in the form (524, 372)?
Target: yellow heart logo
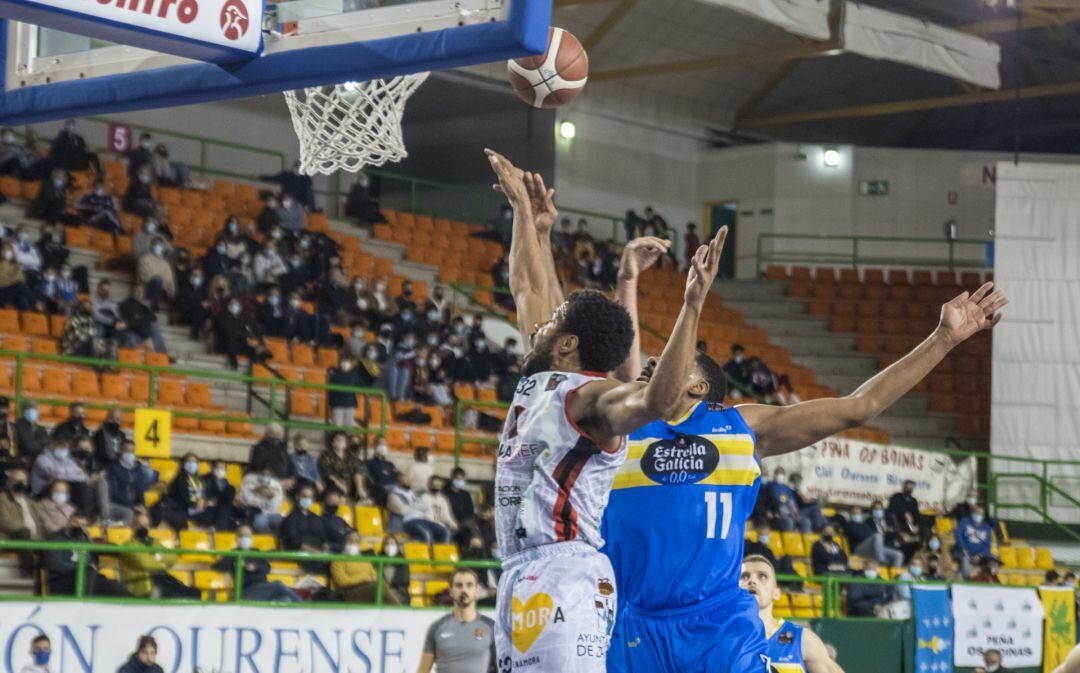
(530, 618)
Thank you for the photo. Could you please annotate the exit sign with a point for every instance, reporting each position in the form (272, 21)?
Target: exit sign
(874, 188)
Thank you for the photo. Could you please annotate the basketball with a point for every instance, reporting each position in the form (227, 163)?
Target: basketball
(553, 78)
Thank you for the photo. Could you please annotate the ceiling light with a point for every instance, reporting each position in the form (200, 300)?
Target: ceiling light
(567, 130)
(831, 157)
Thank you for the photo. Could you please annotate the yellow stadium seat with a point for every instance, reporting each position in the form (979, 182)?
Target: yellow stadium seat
(776, 545)
(182, 575)
(436, 587)
(212, 580)
(1008, 557)
(118, 535)
(793, 544)
(369, 521)
(1035, 580)
(810, 538)
(1043, 559)
(109, 573)
(346, 513)
(234, 474)
(418, 551)
(445, 552)
(800, 568)
(1017, 581)
(264, 542)
(224, 540)
(1025, 558)
(195, 539)
(163, 536)
(782, 612)
(166, 469)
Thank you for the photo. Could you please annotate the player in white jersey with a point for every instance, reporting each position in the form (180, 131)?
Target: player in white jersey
(563, 441)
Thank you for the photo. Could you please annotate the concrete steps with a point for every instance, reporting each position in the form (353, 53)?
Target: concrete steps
(12, 582)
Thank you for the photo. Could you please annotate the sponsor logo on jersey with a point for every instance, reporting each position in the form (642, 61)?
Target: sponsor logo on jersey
(605, 614)
(531, 617)
(785, 638)
(687, 459)
(554, 382)
(479, 633)
(605, 587)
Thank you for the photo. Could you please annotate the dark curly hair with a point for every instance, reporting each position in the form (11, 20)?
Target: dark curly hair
(603, 328)
(714, 375)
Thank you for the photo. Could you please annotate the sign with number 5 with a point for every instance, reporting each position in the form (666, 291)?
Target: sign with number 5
(120, 138)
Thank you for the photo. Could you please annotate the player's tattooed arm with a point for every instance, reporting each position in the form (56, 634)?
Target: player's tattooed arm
(639, 254)
(608, 409)
(533, 282)
(816, 656)
(785, 429)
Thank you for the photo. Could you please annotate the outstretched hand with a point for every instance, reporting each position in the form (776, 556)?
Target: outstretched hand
(969, 314)
(640, 254)
(703, 270)
(511, 181)
(540, 201)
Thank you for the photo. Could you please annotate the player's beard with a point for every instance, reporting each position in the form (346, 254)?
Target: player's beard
(539, 359)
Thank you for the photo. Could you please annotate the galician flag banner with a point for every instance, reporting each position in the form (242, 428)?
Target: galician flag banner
(1059, 631)
(1000, 618)
(933, 630)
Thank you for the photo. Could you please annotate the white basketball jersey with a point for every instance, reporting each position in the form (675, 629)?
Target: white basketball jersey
(551, 482)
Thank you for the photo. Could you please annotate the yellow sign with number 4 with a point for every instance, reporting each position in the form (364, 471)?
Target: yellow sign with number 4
(153, 433)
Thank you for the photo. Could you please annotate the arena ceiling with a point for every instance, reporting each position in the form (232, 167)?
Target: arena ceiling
(751, 81)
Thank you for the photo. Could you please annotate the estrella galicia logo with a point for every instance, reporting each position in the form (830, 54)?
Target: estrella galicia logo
(687, 459)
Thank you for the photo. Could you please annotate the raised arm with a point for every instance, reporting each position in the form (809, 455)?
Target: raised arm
(816, 655)
(785, 429)
(533, 282)
(611, 409)
(639, 254)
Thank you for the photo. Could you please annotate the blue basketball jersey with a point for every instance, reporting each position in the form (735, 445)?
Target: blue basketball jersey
(785, 649)
(676, 517)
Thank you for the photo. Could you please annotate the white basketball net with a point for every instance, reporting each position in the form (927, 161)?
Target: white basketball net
(352, 125)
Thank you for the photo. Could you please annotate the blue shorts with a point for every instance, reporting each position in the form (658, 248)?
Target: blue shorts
(719, 635)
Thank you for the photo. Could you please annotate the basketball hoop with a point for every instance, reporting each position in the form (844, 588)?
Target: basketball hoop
(352, 125)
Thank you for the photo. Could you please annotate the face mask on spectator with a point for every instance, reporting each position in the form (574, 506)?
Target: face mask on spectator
(433, 315)
(146, 145)
(916, 571)
(60, 497)
(9, 138)
(352, 549)
(871, 573)
(31, 415)
(276, 234)
(273, 300)
(58, 183)
(977, 518)
(286, 203)
(372, 354)
(858, 518)
(24, 237)
(971, 502)
(221, 248)
(459, 484)
(220, 473)
(151, 227)
(9, 255)
(50, 276)
(878, 513)
(433, 340)
(780, 479)
(359, 285)
(145, 179)
(434, 362)
(305, 503)
(935, 544)
(992, 668)
(196, 281)
(381, 450)
(763, 538)
(234, 227)
(65, 273)
(63, 453)
(191, 467)
(158, 249)
(128, 460)
(99, 191)
(41, 657)
(390, 549)
(295, 303)
(244, 541)
(234, 309)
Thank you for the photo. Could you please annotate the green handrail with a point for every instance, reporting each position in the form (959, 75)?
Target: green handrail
(84, 549)
(156, 371)
(1046, 489)
(855, 259)
(460, 438)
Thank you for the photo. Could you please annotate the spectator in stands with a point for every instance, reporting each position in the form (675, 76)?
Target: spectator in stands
(913, 573)
(305, 465)
(13, 288)
(256, 586)
(1069, 580)
(183, 500)
(291, 215)
(809, 509)
(61, 566)
(335, 527)
(963, 510)
(51, 202)
(342, 468)
(140, 155)
(154, 275)
(191, 306)
(873, 538)
(415, 517)
(360, 205)
(395, 576)
(936, 563)
(57, 464)
(434, 501)
(866, 600)
(738, 370)
(51, 246)
(987, 572)
(826, 555)
(269, 266)
(905, 517)
(235, 335)
(128, 480)
(271, 453)
(992, 659)
(972, 541)
(260, 499)
(420, 470)
(296, 185)
(356, 581)
(98, 208)
(302, 530)
(382, 474)
(139, 197)
(384, 309)
(52, 512)
(782, 508)
(168, 173)
(40, 654)
(27, 255)
(106, 312)
(144, 658)
(59, 292)
(218, 496)
(152, 231)
(138, 323)
(146, 575)
(18, 516)
(79, 337)
(461, 502)
(20, 158)
(633, 224)
(31, 437)
(691, 242)
(343, 403)
(68, 151)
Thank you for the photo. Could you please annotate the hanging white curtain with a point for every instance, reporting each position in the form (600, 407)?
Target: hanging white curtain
(1036, 370)
(880, 34)
(809, 18)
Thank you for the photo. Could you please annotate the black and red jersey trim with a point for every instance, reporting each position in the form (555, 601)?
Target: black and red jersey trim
(566, 474)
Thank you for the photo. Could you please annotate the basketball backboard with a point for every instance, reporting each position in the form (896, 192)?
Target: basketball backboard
(49, 74)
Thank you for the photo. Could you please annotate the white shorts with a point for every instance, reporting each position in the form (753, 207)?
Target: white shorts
(555, 610)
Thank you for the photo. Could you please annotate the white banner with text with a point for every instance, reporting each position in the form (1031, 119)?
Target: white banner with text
(1009, 620)
(95, 637)
(851, 472)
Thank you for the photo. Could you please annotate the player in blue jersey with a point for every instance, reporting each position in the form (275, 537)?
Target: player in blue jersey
(675, 521)
(792, 649)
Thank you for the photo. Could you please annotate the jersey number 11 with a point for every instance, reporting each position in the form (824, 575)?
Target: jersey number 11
(725, 506)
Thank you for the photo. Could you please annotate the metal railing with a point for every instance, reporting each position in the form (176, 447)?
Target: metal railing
(1042, 508)
(855, 251)
(277, 388)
